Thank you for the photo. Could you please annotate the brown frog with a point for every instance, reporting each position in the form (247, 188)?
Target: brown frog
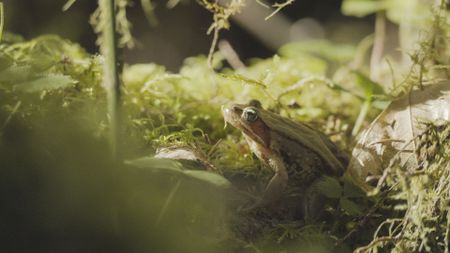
(298, 153)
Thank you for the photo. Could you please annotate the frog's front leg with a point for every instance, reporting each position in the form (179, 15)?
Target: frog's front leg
(276, 185)
(278, 182)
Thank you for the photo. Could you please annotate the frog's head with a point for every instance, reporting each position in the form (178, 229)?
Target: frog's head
(247, 118)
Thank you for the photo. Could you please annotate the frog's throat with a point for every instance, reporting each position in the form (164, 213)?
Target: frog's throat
(250, 134)
(262, 152)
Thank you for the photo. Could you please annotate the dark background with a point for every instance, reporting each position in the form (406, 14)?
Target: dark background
(181, 31)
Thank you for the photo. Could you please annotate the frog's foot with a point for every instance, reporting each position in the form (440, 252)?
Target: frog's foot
(252, 206)
(272, 193)
(261, 204)
(313, 203)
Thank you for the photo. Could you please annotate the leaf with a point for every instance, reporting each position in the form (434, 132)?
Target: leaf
(350, 207)
(352, 191)
(370, 87)
(5, 61)
(397, 11)
(361, 8)
(176, 168)
(392, 134)
(329, 187)
(15, 74)
(322, 48)
(208, 177)
(47, 82)
(156, 164)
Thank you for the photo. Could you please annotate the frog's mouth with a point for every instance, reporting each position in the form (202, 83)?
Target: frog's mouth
(256, 131)
(232, 115)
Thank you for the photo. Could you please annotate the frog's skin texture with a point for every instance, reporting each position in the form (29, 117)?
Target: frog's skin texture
(297, 153)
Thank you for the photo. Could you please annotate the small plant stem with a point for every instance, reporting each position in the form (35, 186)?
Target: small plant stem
(14, 111)
(168, 201)
(375, 62)
(378, 46)
(362, 115)
(447, 234)
(1, 20)
(111, 80)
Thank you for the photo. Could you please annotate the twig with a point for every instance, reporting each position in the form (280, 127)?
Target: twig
(68, 4)
(149, 11)
(392, 161)
(363, 221)
(447, 234)
(374, 242)
(278, 7)
(213, 46)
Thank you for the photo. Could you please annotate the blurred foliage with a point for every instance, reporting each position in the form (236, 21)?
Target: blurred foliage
(1, 21)
(61, 93)
(60, 188)
(416, 10)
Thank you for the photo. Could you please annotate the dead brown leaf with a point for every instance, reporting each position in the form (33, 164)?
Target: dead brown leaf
(393, 134)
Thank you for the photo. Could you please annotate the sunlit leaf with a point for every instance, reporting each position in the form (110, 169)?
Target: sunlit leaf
(15, 74)
(322, 48)
(397, 11)
(361, 8)
(393, 132)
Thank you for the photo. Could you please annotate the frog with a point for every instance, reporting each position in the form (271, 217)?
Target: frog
(296, 152)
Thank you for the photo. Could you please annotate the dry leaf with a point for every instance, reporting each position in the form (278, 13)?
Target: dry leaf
(393, 133)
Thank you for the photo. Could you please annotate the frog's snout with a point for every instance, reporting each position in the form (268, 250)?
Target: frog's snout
(228, 110)
(225, 111)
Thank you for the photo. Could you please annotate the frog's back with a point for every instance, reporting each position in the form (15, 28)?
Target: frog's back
(335, 161)
(304, 166)
(337, 152)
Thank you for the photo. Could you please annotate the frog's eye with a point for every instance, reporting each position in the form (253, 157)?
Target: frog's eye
(250, 114)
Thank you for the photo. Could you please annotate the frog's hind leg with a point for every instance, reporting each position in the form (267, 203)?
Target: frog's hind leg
(314, 201)
(313, 205)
